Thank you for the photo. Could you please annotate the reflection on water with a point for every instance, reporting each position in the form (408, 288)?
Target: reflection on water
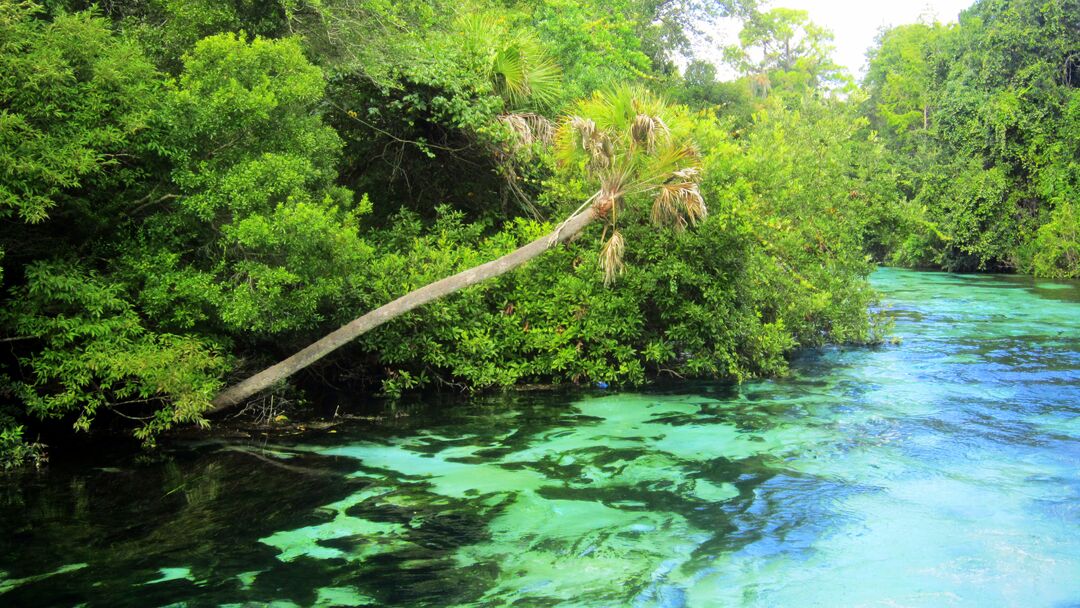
(941, 472)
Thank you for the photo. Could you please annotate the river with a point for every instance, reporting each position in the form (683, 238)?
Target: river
(940, 471)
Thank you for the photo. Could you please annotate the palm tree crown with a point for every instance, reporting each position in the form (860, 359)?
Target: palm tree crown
(632, 144)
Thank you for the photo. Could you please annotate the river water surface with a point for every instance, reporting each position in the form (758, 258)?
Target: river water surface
(943, 471)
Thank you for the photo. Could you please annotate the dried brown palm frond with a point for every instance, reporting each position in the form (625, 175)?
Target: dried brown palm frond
(677, 204)
(694, 204)
(595, 143)
(611, 257)
(517, 124)
(689, 174)
(528, 129)
(613, 184)
(643, 131)
(585, 127)
(601, 153)
(646, 130)
(661, 127)
(543, 128)
(665, 209)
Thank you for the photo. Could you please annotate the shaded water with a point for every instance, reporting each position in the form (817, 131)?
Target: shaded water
(941, 472)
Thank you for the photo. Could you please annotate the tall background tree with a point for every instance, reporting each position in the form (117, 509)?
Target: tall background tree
(783, 49)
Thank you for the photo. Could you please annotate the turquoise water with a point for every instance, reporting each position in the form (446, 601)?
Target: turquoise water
(942, 471)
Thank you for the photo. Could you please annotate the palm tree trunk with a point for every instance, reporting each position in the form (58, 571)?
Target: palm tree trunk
(238, 393)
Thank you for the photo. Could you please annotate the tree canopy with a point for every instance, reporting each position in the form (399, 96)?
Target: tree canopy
(190, 191)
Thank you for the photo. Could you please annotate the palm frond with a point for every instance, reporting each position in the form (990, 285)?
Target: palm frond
(508, 74)
(545, 80)
(611, 257)
(643, 131)
(529, 129)
(678, 204)
(613, 183)
(525, 75)
(478, 30)
(689, 174)
(660, 166)
(521, 70)
(665, 208)
(585, 127)
(694, 204)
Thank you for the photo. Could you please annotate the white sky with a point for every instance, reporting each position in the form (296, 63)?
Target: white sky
(855, 24)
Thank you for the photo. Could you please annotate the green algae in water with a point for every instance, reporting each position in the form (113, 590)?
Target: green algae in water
(940, 472)
(376, 537)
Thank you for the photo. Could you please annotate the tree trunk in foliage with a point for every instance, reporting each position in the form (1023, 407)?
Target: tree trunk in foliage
(238, 393)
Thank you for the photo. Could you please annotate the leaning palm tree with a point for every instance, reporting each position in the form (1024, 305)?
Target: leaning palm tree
(628, 145)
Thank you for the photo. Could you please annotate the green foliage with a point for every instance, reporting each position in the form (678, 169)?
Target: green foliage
(701, 90)
(787, 48)
(184, 188)
(378, 41)
(678, 309)
(412, 139)
(900, 80)
(778, 264)
(814, 182)
(277, 242)
(237, 100)
(977, 116)
(1056, 250)
(96, 354)
(597, 43)
(974, 216)
(14, 450)
(241, 237)
(73, 101)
